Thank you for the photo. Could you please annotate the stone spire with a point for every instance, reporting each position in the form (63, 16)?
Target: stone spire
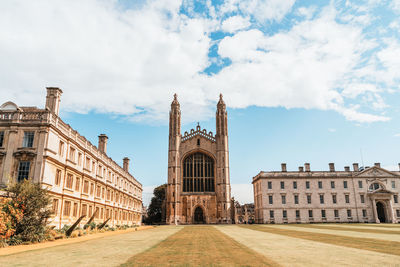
(221, 118)
(175, 117)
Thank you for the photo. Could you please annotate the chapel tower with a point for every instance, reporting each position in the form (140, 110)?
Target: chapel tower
(198, 188)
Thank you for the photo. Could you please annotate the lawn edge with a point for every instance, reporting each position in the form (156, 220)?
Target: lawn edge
(48, 244)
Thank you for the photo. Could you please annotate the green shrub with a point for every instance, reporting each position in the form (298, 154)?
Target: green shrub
(64, 228)
(92, 226)
(35, 203)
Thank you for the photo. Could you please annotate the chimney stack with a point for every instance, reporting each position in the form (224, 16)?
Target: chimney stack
(307, 167)
(126, 164)
(301, 169)
(53, 99)
(355, 167)
(377, 164)
(283, 165)
(399, 166)
(103, 143)
(346, 168)
(331, 167)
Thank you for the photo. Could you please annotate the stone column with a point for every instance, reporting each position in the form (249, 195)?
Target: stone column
(8, 159)
(374, 210)
(390, 211)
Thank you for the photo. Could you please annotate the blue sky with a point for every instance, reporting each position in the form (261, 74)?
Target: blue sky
(304, 81)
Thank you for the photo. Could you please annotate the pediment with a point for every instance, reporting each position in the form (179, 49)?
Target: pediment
(376, 172)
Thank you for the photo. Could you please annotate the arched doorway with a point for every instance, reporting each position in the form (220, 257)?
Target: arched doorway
(199, 215)
(380, 209)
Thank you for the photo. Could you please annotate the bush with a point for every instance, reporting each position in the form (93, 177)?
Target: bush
(10, 214)
(64, 228)
(92, 226)
(27, 213)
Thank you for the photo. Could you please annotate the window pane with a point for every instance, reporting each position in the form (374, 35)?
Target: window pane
(198, 173)
(1, 138)
(28, 139)
(23, 170)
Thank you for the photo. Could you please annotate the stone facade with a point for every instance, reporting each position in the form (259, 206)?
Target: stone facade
(244, 214)
(368, 195)
(82, 180)
(198, 188)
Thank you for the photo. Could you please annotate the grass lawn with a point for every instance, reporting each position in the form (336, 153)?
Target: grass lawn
(228, 245)
(199, 246)
(377, 245)
(352, 229)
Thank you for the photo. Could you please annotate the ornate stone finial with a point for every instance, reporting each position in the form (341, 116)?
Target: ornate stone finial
(175, 101)
(221, 102)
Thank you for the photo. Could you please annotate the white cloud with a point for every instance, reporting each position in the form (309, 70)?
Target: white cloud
(131, 61)
(103, 58)
(396, 5)
(264, 10)
(389, 58)
(235, 23)
(300, 68)
(307, 12)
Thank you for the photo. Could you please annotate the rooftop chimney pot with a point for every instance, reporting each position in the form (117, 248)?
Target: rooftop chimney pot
(346, 168)
(301, 169)
(307, 166)
(53, 99)
(103, 143)
(331, 167)
(283, 165)
(126, 164)
(377, 164)
(355, 167)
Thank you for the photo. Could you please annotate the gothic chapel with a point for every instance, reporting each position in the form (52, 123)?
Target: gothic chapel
(199, 188)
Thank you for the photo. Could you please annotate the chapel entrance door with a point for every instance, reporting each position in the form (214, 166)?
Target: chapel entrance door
(380, 209)
(198, 215)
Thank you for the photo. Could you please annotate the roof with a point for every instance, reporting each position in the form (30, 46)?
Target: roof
(369, 172)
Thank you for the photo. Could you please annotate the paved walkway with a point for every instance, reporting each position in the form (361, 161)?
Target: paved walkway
(107, 251)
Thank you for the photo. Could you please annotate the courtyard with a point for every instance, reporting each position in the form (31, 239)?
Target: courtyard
(228, 245)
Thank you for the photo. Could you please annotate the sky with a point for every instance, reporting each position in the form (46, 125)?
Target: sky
(304, 81)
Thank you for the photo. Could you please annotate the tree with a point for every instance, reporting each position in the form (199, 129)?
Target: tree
(34, 202)
(156, 210)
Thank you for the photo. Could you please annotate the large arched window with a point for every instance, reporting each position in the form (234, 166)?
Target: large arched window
(198, 173)
(375, 186)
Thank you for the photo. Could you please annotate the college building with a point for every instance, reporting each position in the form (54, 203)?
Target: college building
(367, 195)
(81, 179)
(198, 189)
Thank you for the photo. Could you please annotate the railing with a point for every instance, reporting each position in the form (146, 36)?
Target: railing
(40, 116)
